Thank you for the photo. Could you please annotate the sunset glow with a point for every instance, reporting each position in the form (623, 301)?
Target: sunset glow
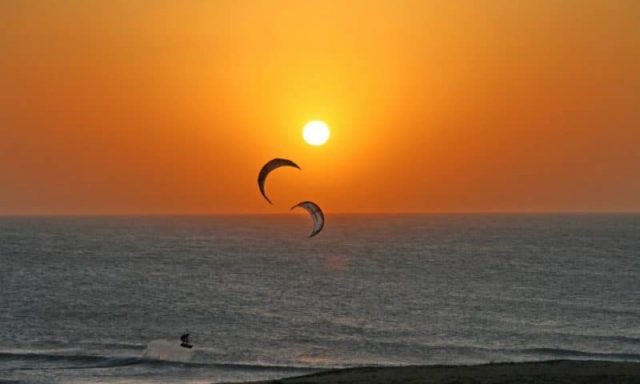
(316, 133)
(133, 107)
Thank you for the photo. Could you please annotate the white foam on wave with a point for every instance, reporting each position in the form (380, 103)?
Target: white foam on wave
(167, 350)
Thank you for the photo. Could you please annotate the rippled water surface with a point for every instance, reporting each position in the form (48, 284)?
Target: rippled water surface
(83, 299)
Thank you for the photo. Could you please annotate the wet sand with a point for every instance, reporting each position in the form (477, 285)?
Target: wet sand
(549, 372)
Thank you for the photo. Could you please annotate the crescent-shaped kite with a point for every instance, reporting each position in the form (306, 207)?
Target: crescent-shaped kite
(316, 215)
(270, 166)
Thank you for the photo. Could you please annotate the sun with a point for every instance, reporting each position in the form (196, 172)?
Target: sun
(316, 132)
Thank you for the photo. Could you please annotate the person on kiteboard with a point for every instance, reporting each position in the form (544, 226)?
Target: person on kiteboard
(185, 341)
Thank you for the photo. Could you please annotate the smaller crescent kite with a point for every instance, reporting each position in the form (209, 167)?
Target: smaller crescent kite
(270, 166)
(316, 215)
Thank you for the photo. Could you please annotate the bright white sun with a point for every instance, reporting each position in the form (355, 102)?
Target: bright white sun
(316, 132)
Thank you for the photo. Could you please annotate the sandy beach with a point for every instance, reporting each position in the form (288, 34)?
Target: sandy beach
(549, 372)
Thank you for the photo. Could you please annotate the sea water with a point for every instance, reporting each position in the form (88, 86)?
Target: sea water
(105, 299)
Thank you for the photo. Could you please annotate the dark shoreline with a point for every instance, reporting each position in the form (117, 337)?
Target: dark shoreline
(544, 372)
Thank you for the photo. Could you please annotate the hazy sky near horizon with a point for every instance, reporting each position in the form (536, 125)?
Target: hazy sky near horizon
(158, 106)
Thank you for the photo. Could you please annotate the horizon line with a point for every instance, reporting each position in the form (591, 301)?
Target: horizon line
(337, 213)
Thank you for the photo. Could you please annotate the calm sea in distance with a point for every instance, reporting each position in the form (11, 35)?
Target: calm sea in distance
(105, 299)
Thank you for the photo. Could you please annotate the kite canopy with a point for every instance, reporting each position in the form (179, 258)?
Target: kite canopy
(270, 166)
(316, 214)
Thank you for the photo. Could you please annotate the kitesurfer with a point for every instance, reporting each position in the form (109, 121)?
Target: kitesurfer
(185, 341)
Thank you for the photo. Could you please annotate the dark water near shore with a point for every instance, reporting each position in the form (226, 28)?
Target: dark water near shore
(82, 299)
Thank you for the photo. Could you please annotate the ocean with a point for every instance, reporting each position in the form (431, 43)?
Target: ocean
(105, 299)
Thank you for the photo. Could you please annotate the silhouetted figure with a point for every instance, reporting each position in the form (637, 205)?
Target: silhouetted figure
(185, 341)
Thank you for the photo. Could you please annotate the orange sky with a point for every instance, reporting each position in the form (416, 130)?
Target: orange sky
(172, 107)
